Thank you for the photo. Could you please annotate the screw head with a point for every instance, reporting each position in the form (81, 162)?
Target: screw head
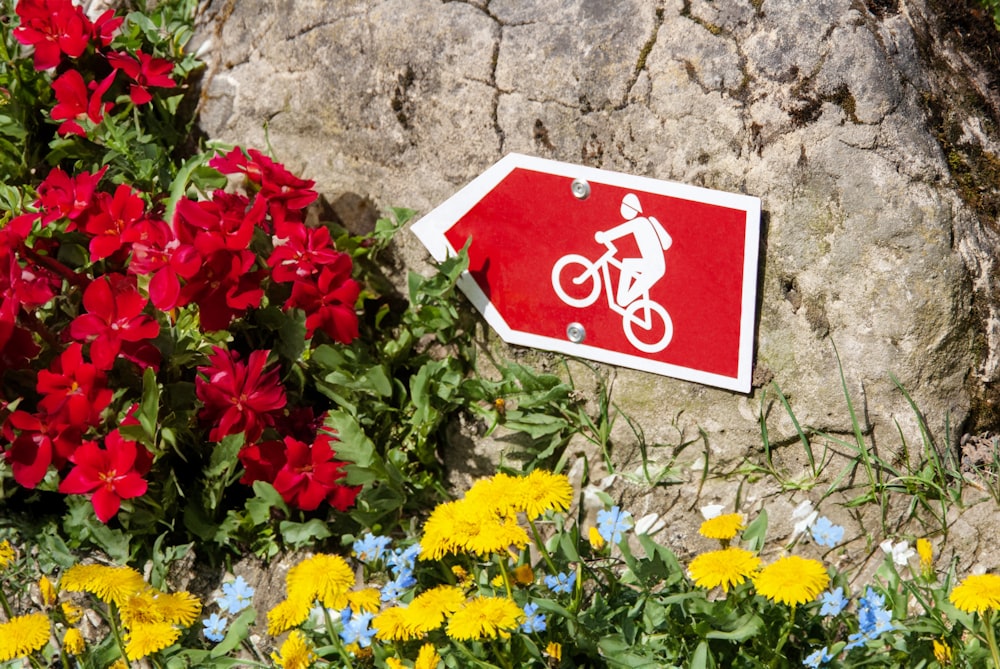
(575, 333)
(580, 188)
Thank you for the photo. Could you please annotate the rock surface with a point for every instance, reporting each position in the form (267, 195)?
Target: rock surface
(861, 125)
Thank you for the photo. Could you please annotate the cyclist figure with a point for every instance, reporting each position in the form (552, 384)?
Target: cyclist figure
(637, 274)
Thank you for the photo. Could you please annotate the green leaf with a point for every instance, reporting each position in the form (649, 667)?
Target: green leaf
(149, 407)
(354, 446)
(239, 630)
(302, 534)
(265, 498)
(701, 658)
(756, 532)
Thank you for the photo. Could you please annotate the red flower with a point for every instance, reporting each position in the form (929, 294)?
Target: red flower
(105, 26)
(61, 195)
(114, 316)
(304, 475)
(283, 190)
(74, 104)
(39, 443)
(238, 397)
(73, 391)
(145, 72)
(114, 215)
(223, 288)
(300, 251)
(329, 302)
(111, 474)
(54, 28)
(156, 252)
(225, 222)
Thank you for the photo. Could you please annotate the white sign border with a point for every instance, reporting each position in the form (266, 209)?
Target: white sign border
(431, 229)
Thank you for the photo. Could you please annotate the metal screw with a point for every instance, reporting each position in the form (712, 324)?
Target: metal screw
(575, 332)
(580, 188)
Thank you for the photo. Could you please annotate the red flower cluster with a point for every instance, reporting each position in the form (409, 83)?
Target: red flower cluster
(91, 274)
(59, 30)
(320, 276)
(304, 475)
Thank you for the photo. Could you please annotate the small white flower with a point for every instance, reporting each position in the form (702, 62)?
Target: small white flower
(806, 515)
(711, 511)
(901, 552)
(650, 524)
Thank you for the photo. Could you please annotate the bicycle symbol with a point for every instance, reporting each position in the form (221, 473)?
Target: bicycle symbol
(577, 280)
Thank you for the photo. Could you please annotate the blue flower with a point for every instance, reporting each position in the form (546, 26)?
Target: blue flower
(874, 618)
(825, 533)
(611, 524)
(403, 559)
(236, 596)
(833, 602)
(215, 627)
(561, 582)
(817, 658)
(370, 548)
(533, 620)
(357, 629)
(395, 588)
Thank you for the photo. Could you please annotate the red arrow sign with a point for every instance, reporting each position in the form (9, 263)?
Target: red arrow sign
(627, 270)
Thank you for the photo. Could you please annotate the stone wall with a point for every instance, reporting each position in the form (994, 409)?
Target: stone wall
(861, 125)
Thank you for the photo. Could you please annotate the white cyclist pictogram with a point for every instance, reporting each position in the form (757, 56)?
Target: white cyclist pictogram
(577, 280)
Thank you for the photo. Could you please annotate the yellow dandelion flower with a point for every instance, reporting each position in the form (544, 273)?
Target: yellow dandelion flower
(286, 615)
(724, 568)
(394, 663)
(296, 652)
(118, 664)
(979, 592)
(596, 540)
(394, 624)
(493, 534)
(22, 635)
(72, 612)
(464, 578)
(140, 609)
(7, 554)
(429, 609)
(554, 650)
(792, 580)
(73, 642)
(524, 574)
(926, 552)
(493, 494)
(109, 584)
(323, 577)
(485, 618)
(427, 658)
(47, 591)
(366, 599)
(148, 638)
(468, 525)
(942, 651)
(439, 539)
(541, 491)
(180, 608)
(723, 527)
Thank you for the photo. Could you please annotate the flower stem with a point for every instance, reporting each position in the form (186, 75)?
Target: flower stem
(991, 637)
(116, 632)
(506, 576)
(6, 605)
(784, 637)
(335, 640)
(541, 548)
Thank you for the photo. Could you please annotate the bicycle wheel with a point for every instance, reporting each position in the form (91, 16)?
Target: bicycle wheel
(653, 335)
(576, 280)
